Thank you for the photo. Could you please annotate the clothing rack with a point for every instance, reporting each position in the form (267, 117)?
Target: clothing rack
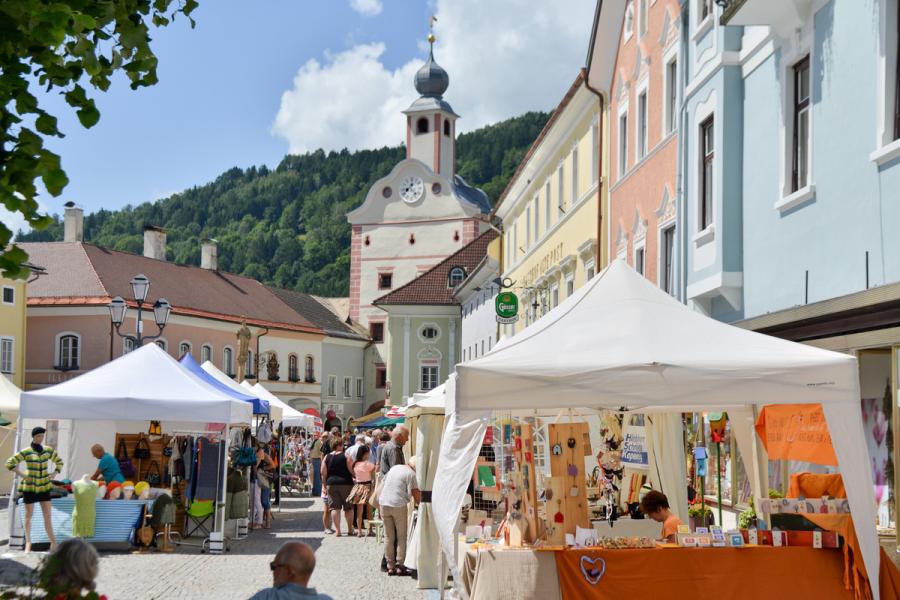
(186, 432)
(218, 502)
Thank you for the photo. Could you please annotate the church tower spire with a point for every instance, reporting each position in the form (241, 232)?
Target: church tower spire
(430, 120)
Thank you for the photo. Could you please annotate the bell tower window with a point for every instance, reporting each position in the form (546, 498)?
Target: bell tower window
(446, 127)
(422, 125)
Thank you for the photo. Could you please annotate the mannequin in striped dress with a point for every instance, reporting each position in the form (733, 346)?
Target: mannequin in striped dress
(35, 486)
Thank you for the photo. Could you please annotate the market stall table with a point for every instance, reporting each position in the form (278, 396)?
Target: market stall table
(114, 525)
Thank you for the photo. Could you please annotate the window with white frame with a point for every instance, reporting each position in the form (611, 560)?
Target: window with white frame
(68, 352)
(206, 353)
(309, 374)
(250, 368)
(667, 260)
(629, 20)
(515, 252)
(428, 377)
(554, 296)
(639, 259)
(595, 151)
(456, 276)
(429, 332)
(643, 17)
(332, 382)
(359, 387)
(561, 198)
(162, 343)
(527, 227)
(589, 270)
(642, 125)
(547, 205)
(347, 383)
(570, 285)
(671, 83)
(7, 344)
(184, 348)
(801, 116)
(228, 361)
(706, 9)
(127, 345)
(536, 220)
(707, 171)
(9, 294)
(622, 134)
(575, 190)
(293, 367)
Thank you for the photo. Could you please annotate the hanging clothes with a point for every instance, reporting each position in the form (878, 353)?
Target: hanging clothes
(163, 511)
(209, 468)
(264, 432)
(84, 515)
(237, 497)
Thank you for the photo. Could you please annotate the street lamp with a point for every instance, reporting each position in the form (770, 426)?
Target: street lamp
(118, 308)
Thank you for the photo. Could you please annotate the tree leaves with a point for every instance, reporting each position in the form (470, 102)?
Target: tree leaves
(56, 43)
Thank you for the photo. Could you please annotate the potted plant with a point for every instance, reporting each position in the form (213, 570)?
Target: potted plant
(695, 516)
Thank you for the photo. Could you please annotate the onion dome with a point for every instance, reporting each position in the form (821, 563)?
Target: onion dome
(432, 80)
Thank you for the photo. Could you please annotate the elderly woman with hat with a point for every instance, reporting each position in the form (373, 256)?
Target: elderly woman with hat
(35, 484)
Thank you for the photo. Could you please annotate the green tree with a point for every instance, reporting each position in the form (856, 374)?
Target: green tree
(65, 46)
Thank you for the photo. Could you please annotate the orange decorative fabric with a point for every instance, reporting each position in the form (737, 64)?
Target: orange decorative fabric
(855, 577)
(815, 485)
(796, 432)
(888, 578)
(734, 573)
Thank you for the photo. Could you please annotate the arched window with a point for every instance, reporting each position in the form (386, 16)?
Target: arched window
(184, 348)
(68, 353)
(457, 274)
(249, 370)
(162, 344)
(127, 345)
(310, 375)
(446, 127)
(205, 353)
(422, 125)
(293, 368)
(228, 361)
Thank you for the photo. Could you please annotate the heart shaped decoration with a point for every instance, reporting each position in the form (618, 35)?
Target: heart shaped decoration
(592, 569)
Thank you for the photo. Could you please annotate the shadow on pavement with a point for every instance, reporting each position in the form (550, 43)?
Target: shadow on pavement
(13, 573)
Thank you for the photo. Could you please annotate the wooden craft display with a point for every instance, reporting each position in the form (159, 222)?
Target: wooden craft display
(567, 462)
(142, 465)
(524, 529)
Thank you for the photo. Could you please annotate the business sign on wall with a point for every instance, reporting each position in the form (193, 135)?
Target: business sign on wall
(507, 307)
(634, 447)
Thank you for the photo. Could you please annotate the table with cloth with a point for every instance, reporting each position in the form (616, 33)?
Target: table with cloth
(735, 573)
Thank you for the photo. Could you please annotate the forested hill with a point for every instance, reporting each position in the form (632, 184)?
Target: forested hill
(287, 226)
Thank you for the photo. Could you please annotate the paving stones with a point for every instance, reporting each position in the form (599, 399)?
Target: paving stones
(346, 568)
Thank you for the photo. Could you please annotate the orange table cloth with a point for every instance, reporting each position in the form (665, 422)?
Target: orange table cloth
(735, 573)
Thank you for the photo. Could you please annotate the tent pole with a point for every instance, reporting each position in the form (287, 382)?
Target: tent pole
(719, 478)
(16, 537)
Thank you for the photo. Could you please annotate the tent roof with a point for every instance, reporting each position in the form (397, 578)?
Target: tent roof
(290, 416)
(143, 385)
(620, 341)
(433, 401)
(9, 398)
(260, 407)
(231, 384)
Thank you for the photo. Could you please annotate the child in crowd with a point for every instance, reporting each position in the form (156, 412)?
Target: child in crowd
(656, 506)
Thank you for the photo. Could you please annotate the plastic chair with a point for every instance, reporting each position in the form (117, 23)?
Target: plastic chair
(200, 512)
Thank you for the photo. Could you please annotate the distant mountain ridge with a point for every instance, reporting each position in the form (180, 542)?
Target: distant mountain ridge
(287, 226)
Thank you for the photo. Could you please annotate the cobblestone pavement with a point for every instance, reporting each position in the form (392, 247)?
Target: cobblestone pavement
(346, 568)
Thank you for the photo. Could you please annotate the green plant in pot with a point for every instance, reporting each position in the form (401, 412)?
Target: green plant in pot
(695, 515)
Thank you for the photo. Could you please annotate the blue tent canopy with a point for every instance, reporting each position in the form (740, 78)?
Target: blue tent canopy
(260, 406)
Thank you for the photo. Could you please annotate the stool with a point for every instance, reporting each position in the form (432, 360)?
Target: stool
(378, 524)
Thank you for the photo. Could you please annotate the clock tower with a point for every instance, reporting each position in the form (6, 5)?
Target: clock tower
(411, 219)
(430, 121)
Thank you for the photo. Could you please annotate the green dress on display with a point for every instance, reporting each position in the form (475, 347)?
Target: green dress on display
(85, 512)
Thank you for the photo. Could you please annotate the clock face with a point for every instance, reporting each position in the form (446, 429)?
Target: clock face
(411, 189)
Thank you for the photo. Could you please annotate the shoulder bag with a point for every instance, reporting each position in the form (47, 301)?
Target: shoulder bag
(142, 448)
(373, 497)
(154, 477)
(125, 464)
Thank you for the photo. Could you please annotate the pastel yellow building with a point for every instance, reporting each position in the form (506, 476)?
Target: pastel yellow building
(13, 304)
(554, 238)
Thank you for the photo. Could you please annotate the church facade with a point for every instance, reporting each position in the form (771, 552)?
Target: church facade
(412, 219)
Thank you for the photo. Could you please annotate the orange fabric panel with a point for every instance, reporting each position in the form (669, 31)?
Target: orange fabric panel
(888, 578)
(796, 432)
(815, 485)
(734, 573)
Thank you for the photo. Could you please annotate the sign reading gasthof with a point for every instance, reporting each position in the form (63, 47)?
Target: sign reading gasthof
(507, 307)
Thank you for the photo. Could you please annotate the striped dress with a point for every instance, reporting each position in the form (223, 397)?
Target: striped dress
(37, 476)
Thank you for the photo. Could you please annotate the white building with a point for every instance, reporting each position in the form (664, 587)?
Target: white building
(477, 295)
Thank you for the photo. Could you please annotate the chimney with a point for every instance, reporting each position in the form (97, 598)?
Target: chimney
(154, 242)
(209, 254)
(74, 223)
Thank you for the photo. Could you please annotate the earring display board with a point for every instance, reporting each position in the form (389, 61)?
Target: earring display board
(567, 441)
(555, 510)
(523, 510)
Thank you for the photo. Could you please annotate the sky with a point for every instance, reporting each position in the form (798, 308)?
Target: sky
(256, 80)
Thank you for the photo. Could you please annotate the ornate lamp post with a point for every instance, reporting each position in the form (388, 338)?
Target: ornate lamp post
(118, 308)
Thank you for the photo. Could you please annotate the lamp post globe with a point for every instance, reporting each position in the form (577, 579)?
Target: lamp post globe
(161, 311)
(117, 309)
(140, 286)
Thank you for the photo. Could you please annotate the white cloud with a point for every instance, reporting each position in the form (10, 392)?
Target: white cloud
(504, 58)
(369, 8)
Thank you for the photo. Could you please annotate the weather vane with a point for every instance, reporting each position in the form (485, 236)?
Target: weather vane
(431, 22)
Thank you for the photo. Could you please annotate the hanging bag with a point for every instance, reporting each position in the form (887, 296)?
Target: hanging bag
(154, 478)
(125, 464)
(142, 448)
(246, 457)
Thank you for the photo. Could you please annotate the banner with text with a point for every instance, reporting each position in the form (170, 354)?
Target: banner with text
(796, 432)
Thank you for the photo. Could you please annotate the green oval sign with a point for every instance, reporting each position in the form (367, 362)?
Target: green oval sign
(507, 307)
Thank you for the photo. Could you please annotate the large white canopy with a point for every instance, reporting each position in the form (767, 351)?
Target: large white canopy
(231, 383)
(620, 341)
(146, 384)
(290, 416)
(9, 399)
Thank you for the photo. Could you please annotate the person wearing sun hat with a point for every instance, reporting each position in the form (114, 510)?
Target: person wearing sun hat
(35, 486)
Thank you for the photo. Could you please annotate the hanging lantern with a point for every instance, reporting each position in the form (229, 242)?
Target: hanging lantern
(155, 428)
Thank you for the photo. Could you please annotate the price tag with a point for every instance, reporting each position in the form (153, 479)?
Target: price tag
(777, 540)
(752, 537)
(817, 539)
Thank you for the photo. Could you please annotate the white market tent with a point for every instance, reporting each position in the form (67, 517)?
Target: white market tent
(9, 399)
(290, 416)
(620, 342)
(231, 383)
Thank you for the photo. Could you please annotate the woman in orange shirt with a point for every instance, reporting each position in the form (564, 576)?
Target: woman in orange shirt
(656, 506)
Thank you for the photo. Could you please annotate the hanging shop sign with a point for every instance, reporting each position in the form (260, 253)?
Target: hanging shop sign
(507, 307)
(634, 447)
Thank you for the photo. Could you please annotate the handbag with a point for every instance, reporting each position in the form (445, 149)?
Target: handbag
(373, 497)
(125, 464)
(145, 535)
(142, 448)
(153, 475)
(246, 457)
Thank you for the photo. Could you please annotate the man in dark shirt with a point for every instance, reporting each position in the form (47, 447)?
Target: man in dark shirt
(391, 453)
